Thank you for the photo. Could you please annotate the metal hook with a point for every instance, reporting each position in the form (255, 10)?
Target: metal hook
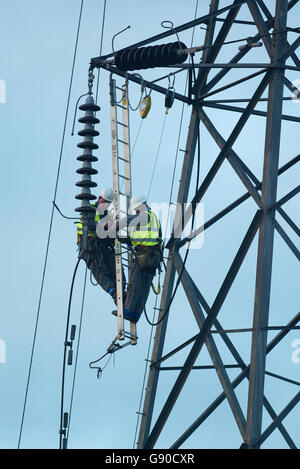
(169, 79)
(163, 25)
(142, 81)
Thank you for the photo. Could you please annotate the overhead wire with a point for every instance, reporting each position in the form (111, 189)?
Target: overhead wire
(157, 154)
(65, 356)
(82, 300)
(77, 352)
(100, 49)
(171, 191)
(51, 223)
(152, 323)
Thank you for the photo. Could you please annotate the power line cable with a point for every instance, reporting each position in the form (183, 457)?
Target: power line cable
(170, 198)
(157, 153)
(197, 184)
(83, 296)
(51, 223)
(65, 356)
(100, 50)
(77, 351)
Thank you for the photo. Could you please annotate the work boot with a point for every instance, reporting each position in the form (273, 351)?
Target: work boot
(113, 294)
(128, 315)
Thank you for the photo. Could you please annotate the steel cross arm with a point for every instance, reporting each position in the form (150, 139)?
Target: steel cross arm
(183, 191)
(269, 24)
(197, 346)
(238, 202)
(185, 179)
(211, 346)
(290, 52)
(229, 65)
(287, 239)
(243, 100)
(241, 109)
(283, 378)
(197, 367)
(266, 234)
(288, 220)
(290, 49)
(191, 24)
(238, 358)
(147, 84)
(261, 25)
(225, 150)
(235, 383)
(234, 83)
(267, 40)
(277, 420)
(287, 197)
(237, 164)
(215, 48)
(210, 30)
(242, 364)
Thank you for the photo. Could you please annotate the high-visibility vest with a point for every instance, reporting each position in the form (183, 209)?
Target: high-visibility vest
(149, 234)
(96, 220)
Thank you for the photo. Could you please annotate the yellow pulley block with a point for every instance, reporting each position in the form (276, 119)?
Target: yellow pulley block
(145, 106)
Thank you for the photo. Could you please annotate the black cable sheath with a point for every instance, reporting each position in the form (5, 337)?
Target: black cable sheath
(65, 355)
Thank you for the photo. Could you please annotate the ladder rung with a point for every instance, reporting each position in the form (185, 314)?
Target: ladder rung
(124, 177)
(123, 159)
(121, 123)
(120, 105)
(122, 141)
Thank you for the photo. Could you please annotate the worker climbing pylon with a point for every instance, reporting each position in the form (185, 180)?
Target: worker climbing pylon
(144, 234)
(99, 255)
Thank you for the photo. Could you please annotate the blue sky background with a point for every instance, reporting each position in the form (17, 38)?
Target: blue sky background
(37, 45)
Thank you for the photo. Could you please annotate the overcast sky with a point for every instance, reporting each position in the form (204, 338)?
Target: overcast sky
(37, 47)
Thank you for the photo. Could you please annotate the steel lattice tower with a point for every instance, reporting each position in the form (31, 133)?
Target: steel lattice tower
(271, 30)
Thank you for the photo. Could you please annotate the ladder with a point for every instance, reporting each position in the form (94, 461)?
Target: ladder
(121, 169)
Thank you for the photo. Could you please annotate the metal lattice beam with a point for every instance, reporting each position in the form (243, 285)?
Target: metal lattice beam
(265, 207)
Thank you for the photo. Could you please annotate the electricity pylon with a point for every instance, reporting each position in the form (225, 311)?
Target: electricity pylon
(271, 30)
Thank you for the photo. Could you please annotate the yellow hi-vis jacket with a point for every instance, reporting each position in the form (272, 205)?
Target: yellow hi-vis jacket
(149, 234)
(96, 220)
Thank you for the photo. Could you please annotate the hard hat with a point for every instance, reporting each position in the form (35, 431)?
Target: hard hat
(107, 194)
(137, 200)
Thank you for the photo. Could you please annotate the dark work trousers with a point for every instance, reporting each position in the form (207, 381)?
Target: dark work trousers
(100, 259)
(138, 288)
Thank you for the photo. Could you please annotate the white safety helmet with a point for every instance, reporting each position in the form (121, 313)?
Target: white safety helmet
(107, 194)
(137, 200)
